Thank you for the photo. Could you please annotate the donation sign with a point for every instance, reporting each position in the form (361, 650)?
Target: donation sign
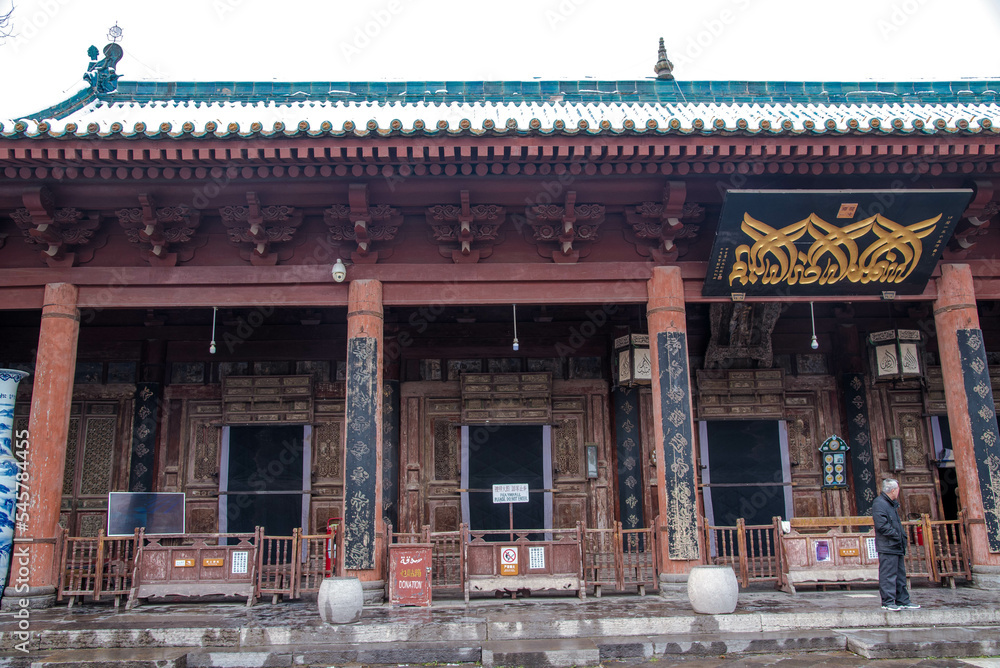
(409, 575)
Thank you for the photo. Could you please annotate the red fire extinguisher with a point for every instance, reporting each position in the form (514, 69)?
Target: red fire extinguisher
(332, 527)
(920, 535)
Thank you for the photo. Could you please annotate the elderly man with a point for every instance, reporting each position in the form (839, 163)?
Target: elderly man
(890, 541)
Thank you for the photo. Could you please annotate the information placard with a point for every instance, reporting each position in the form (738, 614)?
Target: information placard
(514, 493)
(410, 575)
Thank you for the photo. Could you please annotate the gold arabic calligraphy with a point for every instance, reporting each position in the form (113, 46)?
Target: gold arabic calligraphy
(833, 256)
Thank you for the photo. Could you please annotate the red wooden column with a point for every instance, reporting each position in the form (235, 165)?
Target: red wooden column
(673, 428)
(48, 427)
(955, 310)
(364, 549)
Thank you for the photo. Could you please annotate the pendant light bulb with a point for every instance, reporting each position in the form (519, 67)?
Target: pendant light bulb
(814, 344)
(211, 346)
(515, 327)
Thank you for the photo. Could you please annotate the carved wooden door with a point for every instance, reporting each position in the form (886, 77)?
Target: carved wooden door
(89, 472)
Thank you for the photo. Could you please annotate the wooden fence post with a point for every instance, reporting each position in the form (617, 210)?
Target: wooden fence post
(741, 543)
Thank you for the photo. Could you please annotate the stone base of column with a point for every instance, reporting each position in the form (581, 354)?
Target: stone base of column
(673, 586)
(374, 591)
(986, 577)
(36, 598)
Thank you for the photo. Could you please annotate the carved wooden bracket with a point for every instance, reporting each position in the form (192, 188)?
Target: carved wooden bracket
(56, 229)
(156, 230)
(741, 330)
(975, 221)
(363, 224)
(255, 228)
(564, 225)
(669, 224)
(474, 229)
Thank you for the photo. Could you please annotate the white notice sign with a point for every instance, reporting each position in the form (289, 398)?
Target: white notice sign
(516, 493)
(536, 557)
(240, 562)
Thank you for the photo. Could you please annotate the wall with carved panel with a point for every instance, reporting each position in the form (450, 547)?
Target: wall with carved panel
(430, 454)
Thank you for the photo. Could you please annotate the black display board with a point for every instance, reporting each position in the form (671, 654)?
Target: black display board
(502, 456)
(390, 452)
(747, 455)
(360, 480)
(143, 459)
(985, 436)
(830, 242)
(860, 442)
(157, 512)
(629, 456)
(681, 515)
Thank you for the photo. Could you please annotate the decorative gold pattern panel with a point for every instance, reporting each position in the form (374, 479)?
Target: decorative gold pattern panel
(566, 443)
(445, 518)
(98, 451)
(801, 441)
(914, 452)
(69, 471)
(267, 399)
(202, 520)
(446, 457)
(328, 439)
(90, 525)
(207, 439)
(510, 398)
(741, 394)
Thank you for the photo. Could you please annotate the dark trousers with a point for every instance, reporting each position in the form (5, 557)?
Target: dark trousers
(892, 579)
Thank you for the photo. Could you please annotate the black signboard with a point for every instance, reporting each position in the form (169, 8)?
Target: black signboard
(678, 446)
(158, 512)
(830, 242)
(983, 421)
(360, 460)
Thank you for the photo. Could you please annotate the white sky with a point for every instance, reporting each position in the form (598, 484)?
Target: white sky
(336, 40)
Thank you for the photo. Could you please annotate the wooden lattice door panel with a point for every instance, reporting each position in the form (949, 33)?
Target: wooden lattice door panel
(89, 472)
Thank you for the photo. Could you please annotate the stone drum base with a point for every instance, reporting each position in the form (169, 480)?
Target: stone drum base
(341, 600)
(713, 590)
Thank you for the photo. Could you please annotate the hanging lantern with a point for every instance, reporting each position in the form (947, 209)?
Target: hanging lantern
(895, 354)
(632, 363)
(833, 452)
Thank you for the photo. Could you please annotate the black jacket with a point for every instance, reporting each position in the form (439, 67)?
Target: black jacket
(889, 535)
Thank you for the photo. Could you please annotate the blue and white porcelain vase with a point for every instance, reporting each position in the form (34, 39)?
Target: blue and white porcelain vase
(9, 378)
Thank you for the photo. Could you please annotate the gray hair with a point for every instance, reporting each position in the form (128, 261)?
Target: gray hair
(889, 484)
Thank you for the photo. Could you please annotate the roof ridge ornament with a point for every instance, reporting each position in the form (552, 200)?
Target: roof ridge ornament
(101, 74)
(663, 68)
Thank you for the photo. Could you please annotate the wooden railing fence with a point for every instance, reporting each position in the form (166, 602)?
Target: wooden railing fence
(95, 568)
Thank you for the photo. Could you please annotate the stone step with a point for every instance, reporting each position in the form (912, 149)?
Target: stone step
(532, 653)
(336, 654)
(114, 658)
(946, 642)
(805, 640)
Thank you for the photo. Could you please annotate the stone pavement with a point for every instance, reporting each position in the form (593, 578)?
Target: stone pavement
(836, 627)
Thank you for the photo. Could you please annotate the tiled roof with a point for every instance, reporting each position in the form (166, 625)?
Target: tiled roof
(242, 109)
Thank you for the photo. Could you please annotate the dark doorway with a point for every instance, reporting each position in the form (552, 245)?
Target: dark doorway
(745, 471)
(264, 479)
(947, 478)
(500, 456)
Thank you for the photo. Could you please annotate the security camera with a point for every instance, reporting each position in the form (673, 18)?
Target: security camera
(339, 271)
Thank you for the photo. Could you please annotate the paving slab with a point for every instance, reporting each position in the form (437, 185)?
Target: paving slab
(532, 653)
(104, 658)
(892, 643)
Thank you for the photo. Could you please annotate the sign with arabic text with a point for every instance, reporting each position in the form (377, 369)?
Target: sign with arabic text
(410, 574)
(830, 242)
